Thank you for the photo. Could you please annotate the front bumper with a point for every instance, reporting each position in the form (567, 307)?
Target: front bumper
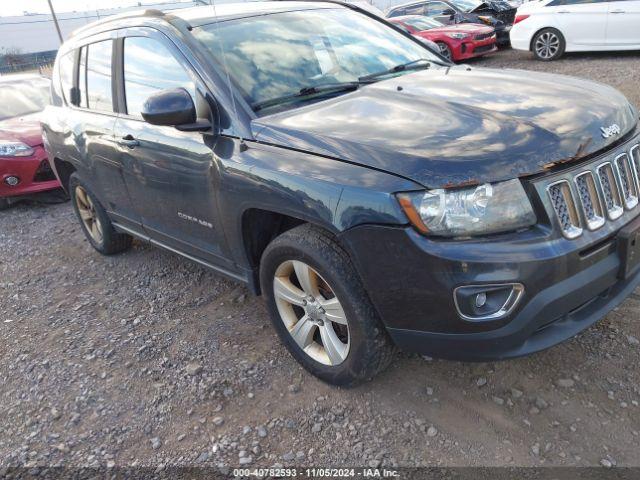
(476, 48)
(29, 170)
(410, 280)
(503, 35)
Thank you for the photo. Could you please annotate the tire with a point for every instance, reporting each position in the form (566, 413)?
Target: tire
(4, 203)
(99, 231)
(368, 350)
(548, 44)
(445, 51)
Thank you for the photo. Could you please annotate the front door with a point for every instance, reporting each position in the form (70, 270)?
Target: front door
(623, 24)
(582, 22)
(171, 174)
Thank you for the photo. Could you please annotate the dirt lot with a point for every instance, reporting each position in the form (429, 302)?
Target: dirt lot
(147, 359)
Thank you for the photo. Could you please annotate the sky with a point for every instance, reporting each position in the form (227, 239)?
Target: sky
(10, 8)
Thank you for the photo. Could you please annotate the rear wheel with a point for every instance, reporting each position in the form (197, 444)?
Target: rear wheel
(94, 220)
(445, 51)
(548, 44)
(320, 309)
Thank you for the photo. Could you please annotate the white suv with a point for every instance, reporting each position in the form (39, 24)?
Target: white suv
(549, 28)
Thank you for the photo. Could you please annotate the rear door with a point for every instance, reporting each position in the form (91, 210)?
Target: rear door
(623, 27)
(171, 174)
(582, 22)
(91, 127)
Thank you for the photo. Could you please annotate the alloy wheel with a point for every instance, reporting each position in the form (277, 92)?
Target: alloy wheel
(88, 214)
(444, 50)
(547, 45)
(311, 312)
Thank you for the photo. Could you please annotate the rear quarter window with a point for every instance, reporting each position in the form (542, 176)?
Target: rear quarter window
(67, 64)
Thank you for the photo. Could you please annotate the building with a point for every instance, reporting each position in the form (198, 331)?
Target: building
(36, 33)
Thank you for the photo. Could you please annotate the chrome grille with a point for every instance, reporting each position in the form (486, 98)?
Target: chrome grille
(627, 181)
(598, 193)
(590, 200)
(610, 190)
(565, 207)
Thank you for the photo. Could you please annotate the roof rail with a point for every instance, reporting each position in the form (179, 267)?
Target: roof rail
(149, 12)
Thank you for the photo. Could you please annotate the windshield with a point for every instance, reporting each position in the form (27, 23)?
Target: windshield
(273, 56)
(423, 23)
(467, 5)
(24, 98)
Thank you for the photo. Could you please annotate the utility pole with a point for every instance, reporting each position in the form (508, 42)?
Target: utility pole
(55, 21)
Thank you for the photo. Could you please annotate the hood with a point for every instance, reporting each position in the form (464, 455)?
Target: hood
(447, 127)
(496, 5)
(22, 129)
(461, 28)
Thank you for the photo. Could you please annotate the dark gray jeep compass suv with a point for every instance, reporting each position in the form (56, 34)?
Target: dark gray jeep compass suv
(376, 195)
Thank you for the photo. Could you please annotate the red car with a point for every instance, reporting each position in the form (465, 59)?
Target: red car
(456, 42)
(24, 168)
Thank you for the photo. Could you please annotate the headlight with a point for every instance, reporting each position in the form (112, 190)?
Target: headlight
(14, 149)
(458, 36)
(481, 210)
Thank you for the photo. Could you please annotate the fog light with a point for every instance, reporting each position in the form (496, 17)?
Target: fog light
(12, 180)
(481, 300)
(481, 303)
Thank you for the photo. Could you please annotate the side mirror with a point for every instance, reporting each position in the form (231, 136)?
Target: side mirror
(170, 108)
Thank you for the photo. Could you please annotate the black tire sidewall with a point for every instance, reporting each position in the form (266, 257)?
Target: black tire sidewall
(364, 327)
(561, 48)
(110, 238)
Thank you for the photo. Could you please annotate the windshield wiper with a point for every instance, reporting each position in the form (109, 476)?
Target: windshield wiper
(414, 65)
(313, 91)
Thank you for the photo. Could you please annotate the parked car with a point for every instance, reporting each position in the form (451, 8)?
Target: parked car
(549, 28)
(498, 15)
(455, 42)
(375, 195)
(24, 169)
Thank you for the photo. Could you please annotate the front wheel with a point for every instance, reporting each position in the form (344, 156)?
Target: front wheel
(548, 44)
(320, 309)
(445, 51)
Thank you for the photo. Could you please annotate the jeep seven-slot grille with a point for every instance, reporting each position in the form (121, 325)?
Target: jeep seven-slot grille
(599, 192)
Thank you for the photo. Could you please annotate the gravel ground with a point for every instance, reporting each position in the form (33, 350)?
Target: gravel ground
(147, 359)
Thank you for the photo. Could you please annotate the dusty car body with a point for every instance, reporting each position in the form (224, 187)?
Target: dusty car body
(391, 199)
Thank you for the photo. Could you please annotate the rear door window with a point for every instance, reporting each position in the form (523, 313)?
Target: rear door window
(150, 67)
(99, 93)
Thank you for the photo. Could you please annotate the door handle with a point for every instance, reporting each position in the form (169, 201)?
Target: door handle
(564, 11)
(128, 141)
(617, 11)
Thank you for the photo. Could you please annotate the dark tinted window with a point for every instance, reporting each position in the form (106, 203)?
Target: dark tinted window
(414, 10)
(82, 77)
(67, 62)
(150, 67)
(437, 8)
(398, 12)
(99, 76)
